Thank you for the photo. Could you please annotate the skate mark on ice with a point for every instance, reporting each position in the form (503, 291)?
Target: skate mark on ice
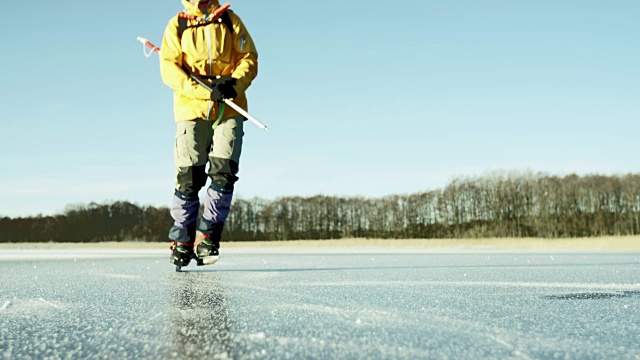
(508, 345)
(50, 303)
(321, 309)
(122, 276)
(5, 306)
(629, 288)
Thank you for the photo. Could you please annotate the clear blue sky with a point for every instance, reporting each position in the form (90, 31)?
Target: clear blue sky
(361, 99)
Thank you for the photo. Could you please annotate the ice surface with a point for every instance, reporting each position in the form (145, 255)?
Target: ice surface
(466, 305)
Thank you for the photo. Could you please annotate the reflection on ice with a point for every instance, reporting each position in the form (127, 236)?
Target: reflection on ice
(199, 318)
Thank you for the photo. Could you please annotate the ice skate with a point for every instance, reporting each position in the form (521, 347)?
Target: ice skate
(206, 252)
(181, 254)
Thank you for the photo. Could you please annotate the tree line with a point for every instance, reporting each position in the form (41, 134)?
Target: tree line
(495, 205)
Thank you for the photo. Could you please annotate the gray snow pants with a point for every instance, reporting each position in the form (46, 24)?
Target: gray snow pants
(196, 146)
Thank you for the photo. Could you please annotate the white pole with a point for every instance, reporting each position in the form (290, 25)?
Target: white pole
(246, 114)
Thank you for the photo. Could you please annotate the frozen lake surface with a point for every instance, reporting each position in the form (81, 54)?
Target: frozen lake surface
(318, 304)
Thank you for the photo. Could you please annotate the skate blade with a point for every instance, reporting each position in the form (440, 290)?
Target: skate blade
(208, 260)
(178, 263)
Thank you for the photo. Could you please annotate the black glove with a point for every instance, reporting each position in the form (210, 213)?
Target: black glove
(222, 88)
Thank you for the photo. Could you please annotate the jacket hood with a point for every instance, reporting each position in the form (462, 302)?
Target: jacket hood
(194, 9)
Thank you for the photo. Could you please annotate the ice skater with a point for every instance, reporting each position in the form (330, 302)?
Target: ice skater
(208, 41)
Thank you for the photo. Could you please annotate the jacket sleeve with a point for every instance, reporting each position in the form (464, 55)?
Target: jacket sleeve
(171, 66)
(245, 55)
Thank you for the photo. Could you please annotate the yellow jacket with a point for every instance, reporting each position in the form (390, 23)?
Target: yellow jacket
(209, 50)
